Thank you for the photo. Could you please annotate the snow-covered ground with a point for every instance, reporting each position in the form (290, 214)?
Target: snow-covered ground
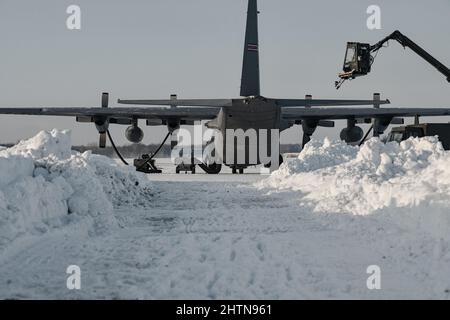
(310, 230)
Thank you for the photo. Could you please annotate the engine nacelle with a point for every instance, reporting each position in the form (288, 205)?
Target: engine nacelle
(173, 125)
(381, 125)
(352, 134)
(102, 125)
(134, 134)
(309, 126)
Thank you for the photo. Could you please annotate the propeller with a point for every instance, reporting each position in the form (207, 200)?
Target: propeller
(105, 99)
(102, 141)
(102, 125)
(305, 140)
(102, 122)
(378, 126)
(310, 126)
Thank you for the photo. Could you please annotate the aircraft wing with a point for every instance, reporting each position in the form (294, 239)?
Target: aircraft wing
(327, 103)
(218, 103)
(357, 113)
(221, 103)
(119, 113)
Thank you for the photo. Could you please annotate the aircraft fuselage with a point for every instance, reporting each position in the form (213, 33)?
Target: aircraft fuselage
(258, 119)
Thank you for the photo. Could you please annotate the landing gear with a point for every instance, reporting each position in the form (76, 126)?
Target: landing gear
(235, 170)
(185, 168)
(211, 169)
(280, 162)
(187, 165)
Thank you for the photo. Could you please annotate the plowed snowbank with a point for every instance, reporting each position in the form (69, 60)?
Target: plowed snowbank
(45, 185)
(334, 177)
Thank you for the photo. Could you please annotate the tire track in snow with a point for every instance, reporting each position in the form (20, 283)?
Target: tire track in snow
(224, 240)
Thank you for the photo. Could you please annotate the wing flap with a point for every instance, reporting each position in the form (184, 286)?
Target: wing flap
(286, 103)
(85, 114)
(356, 113)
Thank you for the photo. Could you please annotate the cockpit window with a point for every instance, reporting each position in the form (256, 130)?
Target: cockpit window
(350, 57)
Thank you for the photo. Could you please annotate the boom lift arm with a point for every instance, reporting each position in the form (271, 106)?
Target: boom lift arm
(360, 57)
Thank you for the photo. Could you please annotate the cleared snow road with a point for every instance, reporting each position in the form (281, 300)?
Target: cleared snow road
(209, 239)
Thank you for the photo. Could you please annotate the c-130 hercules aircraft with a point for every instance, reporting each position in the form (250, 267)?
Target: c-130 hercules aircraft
(251, 111)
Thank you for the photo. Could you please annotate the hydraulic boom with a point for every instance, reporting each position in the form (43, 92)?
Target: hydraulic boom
(360, 57)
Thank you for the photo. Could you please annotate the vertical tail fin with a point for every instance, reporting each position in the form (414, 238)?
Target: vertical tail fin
(250, 70)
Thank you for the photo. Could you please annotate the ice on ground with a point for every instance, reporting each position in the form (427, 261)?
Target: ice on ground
(45, 185)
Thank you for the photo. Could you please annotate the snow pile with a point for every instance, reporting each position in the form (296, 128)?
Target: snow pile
(333, 177)
(55, 143)
(317, 155)
(45, 185)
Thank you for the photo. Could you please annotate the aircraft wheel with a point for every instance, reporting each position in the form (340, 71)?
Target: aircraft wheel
(211, 169)
(280, 162)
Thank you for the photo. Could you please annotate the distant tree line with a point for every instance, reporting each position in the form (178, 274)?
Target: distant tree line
(136, 150)
(127, 151)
